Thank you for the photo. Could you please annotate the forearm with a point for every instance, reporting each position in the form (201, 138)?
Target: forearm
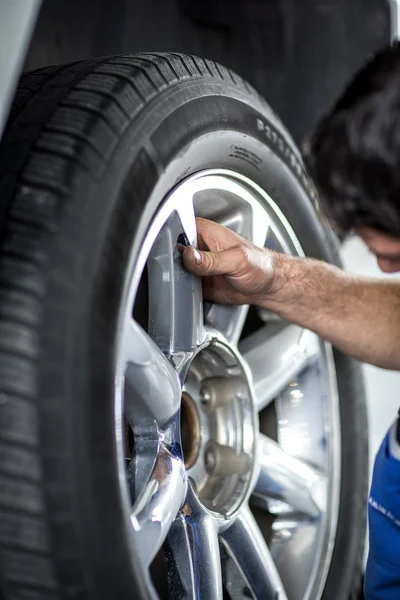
(360, 316)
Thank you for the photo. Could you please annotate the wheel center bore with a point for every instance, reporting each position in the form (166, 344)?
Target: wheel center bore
(218, 428)
(190, 430)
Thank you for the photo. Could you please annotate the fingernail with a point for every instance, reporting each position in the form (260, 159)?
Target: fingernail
(180, 248)
(197, 256)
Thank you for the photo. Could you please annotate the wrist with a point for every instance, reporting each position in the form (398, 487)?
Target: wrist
(279, 289)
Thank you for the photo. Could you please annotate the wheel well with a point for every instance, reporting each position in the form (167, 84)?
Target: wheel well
(297, 54)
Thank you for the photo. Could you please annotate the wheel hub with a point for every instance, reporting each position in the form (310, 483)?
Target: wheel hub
(218, 425)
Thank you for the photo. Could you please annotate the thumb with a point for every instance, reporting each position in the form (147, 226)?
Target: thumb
(224, 262)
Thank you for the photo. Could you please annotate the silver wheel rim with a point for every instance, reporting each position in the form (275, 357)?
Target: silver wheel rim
(208, 514)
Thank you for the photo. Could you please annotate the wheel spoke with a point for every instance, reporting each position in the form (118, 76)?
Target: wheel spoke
(276, 354)
(287, 484)
(246, 546)
(276, 242)
(193, 558)
(293, 549)
(158, 504)
(152, 388)
(229, 320)
(176, 321)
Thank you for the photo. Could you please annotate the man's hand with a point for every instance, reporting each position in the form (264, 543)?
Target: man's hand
(235, 271)
(358, 315)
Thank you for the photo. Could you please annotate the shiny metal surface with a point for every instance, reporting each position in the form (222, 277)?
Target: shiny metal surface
(175, 297)
(228, 429)
(157, 506)
(193, 555)
(287, 484)
(201, 472)
(394, 6)
(249, 550)
(150, 375)
(276, 358)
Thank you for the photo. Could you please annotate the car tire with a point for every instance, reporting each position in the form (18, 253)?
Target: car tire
(85, 164)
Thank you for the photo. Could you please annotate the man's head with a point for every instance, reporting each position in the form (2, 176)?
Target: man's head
(354, 158)
(385, 247)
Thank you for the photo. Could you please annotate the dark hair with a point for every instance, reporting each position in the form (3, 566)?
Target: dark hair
(354, 154)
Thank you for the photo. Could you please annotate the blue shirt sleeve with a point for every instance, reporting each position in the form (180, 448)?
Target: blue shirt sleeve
(382, 577)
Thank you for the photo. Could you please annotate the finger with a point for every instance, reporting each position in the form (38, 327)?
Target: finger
(226, 262)
(201, 244)
(213, 236)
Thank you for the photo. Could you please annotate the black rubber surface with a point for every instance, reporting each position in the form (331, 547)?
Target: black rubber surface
(92, 149)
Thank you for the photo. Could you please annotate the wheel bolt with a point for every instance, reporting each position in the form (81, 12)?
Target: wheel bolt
(219, 391)
(222, 460)
(209, 457)
(205, 394)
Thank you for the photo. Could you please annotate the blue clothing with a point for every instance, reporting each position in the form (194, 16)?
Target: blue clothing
(382, 577)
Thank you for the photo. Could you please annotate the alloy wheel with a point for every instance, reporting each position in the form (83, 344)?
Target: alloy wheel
(234, 461)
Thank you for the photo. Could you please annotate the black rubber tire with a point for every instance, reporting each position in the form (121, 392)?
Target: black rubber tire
(30, 83)
(88, 158)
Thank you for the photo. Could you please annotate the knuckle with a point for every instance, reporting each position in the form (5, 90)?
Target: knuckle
(210, 263)
(240, 258)
(244, 253)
